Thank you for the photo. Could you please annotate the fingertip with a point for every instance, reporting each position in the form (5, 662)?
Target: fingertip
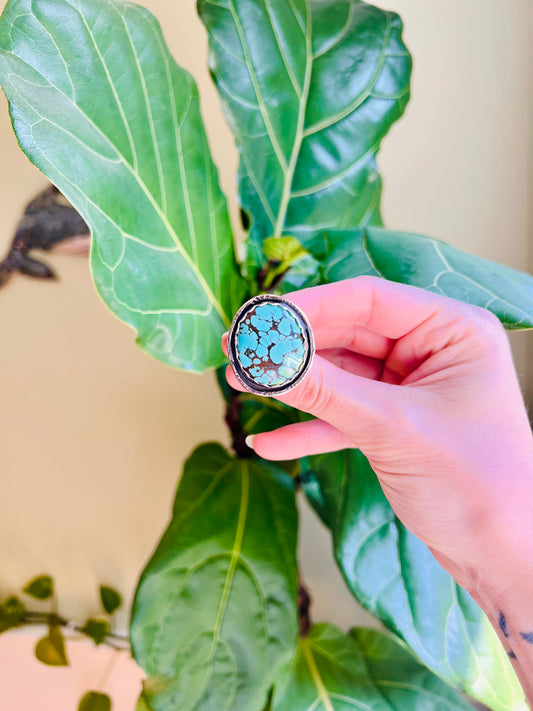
(232, 380)
(300, 439)
(224, 342)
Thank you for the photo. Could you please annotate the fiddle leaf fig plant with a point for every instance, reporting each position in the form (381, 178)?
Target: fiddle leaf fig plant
(310, 89)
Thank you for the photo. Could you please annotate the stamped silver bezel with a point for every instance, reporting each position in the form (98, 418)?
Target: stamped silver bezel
(247, 383)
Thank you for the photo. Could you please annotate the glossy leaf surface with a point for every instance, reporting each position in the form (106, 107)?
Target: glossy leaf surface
(366, 670)
(99, 105)
(310, 88)
(214, 617)
(429, 264)
(394, 576)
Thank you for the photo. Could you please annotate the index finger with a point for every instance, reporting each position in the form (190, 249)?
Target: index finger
(384, 308)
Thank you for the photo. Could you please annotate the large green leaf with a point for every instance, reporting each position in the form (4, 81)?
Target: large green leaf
(214, 617)
(431, 265)
(394, 576)
(310, 87)
(365, 670)
(99, 105)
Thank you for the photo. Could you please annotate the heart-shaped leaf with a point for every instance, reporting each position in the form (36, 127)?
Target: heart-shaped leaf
(97, 630)
(394, 576)
(95, 701)
(142, 704)
(41, 587)
(214, 616)
(50, 650)
(111, 599)
(310, 88)
(429, 264)
(99, 105)
(365, 670)
(11, 613)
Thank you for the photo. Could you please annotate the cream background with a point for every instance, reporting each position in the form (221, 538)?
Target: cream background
(93, 432)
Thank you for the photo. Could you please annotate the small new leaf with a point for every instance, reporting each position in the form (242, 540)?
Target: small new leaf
(95, 701)
(11, 612)
(290, 265)
(283, 249)
(97, 630)
(50, 650)
(40, 588)
(111, 599)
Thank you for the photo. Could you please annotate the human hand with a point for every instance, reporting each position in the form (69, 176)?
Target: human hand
(425, 387)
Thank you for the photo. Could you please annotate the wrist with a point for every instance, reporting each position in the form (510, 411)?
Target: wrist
(502, 576)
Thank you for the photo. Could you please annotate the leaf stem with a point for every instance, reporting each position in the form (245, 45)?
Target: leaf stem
(113, 659)
(304, 603)
(232, 418)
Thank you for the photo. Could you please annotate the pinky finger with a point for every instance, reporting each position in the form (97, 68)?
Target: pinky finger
(299, 440)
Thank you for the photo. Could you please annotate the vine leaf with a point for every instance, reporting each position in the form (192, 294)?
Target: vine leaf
(99, 105)
(429, 264)
(142, 704)
(50, 650)
(12, 611)
(41, 588)
(95, 701)
(394, 576)
(365, 670)
(97, 630)
(309, 88)
(214, 617)
(110, 598)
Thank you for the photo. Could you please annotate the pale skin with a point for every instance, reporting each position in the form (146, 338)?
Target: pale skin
(425, 386)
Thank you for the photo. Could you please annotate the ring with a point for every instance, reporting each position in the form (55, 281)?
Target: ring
(270, 345)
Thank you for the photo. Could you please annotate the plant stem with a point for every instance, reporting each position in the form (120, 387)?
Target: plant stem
(304, 603)
(52, 619)
(109, 667)
(233, 421)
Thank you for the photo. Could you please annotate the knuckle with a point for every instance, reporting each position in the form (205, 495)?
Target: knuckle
(489, 326)
(317, 394)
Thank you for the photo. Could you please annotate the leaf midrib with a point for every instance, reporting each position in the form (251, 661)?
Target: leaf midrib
(363, 96)
(299, 135)
(235, 556)
(316, 676)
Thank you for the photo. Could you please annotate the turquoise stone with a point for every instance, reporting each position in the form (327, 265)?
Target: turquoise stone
(271, 344)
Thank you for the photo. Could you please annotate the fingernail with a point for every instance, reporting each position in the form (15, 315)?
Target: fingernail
(250, 441)
(225, 334)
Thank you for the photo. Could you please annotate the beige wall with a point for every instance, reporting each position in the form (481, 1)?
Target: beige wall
(93, 432)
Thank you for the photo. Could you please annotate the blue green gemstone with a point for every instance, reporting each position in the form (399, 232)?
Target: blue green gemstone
(271, 345)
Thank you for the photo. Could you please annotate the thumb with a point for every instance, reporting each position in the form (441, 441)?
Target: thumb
(358, 407)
